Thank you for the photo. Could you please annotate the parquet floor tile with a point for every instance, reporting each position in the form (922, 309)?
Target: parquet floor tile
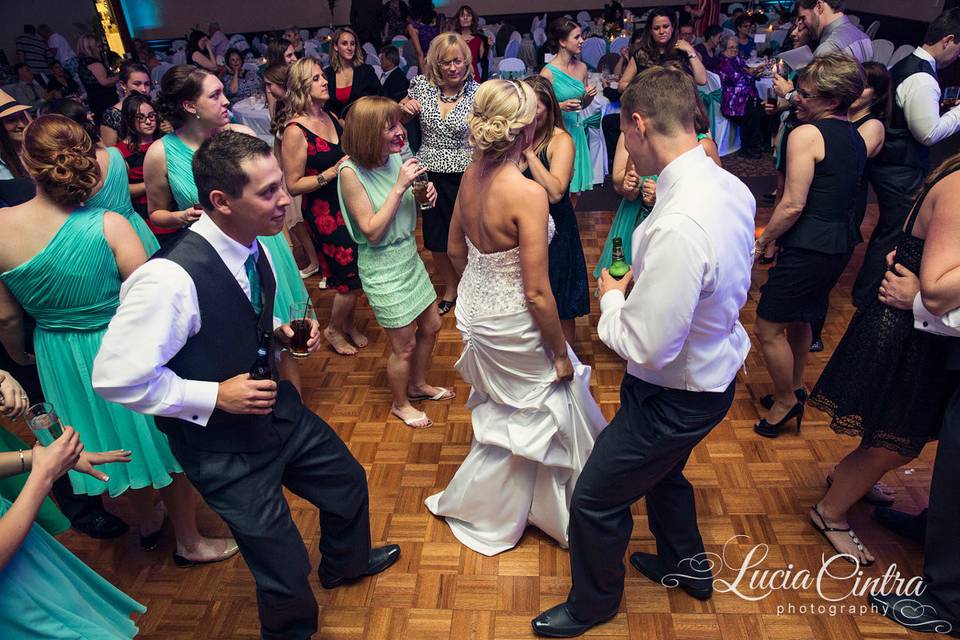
(745, 486)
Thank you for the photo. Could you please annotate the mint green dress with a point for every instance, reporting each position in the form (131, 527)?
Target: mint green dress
(114, 195)
(49, 517)
(393, 276)
(72, 289)
(629, 216)
(290, 287)
(566, 87)
(47, 593)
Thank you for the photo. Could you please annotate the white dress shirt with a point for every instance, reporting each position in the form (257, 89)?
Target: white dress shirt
(679, 327)
(158, 313)
(386, 74)
(65, 52)
(919, 97)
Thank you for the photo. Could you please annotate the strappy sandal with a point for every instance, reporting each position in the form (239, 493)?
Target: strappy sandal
(824, 530)
(444, 306)
(412, 422)
(442, 394)
(875, 496)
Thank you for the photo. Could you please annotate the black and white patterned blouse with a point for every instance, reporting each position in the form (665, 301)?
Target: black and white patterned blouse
(446, 141)
(112, 118)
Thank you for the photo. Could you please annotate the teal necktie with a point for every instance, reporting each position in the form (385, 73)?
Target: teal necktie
(254, 279)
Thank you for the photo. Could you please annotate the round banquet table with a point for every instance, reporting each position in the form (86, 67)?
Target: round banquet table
(254, 113)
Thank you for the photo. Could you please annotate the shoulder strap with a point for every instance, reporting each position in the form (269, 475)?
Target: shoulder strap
(302, 128)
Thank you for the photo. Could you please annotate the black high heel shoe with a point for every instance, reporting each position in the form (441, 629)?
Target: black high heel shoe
(767, 401)
(767, 430)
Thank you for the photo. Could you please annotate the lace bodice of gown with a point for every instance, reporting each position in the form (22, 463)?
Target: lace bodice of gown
(492, 283)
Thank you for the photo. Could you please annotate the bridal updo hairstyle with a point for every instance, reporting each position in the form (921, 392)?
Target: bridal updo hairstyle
(182, 83)
(559, 30)
(501, 110)
(59, 156)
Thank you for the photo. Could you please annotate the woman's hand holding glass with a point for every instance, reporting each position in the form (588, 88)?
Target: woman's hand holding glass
(409, 171)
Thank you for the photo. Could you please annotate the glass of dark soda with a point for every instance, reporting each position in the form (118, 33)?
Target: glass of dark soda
(302, 320)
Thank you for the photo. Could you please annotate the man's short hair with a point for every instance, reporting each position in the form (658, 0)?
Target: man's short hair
(18, 66)
(391, 53)
(946, 24)
(712, 30)
(839, 6)
(663, 95)
(216, 164)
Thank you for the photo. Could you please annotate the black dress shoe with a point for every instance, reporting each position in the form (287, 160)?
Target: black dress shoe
(558, 622)
(102, 526)
(380, 559)
(903, 524)
(917, 613)
(649, 565)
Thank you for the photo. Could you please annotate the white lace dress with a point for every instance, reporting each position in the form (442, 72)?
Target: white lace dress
(531, 434)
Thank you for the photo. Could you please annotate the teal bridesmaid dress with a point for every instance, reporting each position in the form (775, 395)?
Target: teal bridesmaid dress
(72, 289)
(47, 593)
(49, 517)
(566, 87)
(114, 195)
(290, 287)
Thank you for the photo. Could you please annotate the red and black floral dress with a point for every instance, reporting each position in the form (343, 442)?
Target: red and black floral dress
(321, 211)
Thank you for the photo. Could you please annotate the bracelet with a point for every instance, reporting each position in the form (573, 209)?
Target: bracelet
(23, 466)
(322, 181)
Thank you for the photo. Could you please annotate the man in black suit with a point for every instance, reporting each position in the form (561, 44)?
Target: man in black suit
(395, 83)
(191, 324)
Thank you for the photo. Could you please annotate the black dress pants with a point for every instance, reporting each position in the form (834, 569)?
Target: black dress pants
(641, 453)
(941, 569)
(245, 489)
(895, 187)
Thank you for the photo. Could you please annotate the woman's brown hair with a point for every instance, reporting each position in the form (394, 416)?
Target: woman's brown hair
(59, 156)
(335, 62)
(363, 130)
(554, 120)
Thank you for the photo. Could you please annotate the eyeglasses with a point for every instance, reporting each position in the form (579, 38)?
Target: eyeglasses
(806, 95)
(146, 118)
(451, 63)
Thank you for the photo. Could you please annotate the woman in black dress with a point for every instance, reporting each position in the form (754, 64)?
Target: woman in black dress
(549, 161)
(814, 226)
(98, 82)
(311, 154)
(348, 77)
(887, 382)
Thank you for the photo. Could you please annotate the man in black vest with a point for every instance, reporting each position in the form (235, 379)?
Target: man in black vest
(915, 125)
(189, 326)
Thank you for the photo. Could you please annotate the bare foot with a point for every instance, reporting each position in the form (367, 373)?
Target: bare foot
(844, 540)
(339, 342)
(209, 550)
(357, 337)
(411, 417)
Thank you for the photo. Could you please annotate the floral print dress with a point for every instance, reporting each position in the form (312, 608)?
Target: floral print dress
(321, 211)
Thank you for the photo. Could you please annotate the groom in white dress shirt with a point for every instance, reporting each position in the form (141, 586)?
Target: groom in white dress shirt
(680, 333)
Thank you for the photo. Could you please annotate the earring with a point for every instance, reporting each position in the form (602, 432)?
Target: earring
(198, 115)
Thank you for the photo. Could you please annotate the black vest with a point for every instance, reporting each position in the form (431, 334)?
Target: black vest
(225, 346)
(900, 147)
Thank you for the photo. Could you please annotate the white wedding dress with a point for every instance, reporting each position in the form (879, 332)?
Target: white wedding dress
(531, 434)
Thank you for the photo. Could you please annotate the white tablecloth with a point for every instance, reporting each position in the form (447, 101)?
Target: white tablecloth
(254, 113)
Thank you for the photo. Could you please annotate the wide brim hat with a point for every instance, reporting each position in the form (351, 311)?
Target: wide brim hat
(9, 105)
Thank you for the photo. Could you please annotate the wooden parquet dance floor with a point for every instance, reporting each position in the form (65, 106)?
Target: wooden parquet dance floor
(745, 486)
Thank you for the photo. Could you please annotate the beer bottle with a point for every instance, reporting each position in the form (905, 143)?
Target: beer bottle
(619, 267)
(262, 369)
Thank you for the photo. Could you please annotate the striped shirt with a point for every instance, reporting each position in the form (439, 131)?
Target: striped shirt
(32, 50)
(843, 35)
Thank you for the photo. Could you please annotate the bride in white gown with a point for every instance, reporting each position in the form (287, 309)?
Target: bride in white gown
(534, 420)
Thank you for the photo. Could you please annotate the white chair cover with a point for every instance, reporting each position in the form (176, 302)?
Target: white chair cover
(512, 49)
(412, 72)
(599, 161)
(540, 37)
(157, 73)
(370, 50)
(304, 34)
(178, 45)
(324, 31)
(619, 43)
(593, 49)
(251, 66)
(241, 45)
(179, 57)
(882, 51)
(872, 29)
(902, 52)
(481, 21)
(235, 37)
(371, 59)
(584, 19)
(733, 7)
(725, 135)
(511, 67)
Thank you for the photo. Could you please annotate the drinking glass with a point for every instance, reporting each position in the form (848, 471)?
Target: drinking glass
(44, 423)
(302, 320)
(420, 191)
(950, 94)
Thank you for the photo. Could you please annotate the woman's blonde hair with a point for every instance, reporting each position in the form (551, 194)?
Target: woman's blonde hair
(501, 110)
(335, 62)
(439, 47)
(366, 121)
(836, 75)
(89, 46)
(299, 83)
(59, 156)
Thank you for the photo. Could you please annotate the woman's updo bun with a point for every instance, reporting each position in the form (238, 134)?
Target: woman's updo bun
(181, 83)
(501, 110)
(60, 157)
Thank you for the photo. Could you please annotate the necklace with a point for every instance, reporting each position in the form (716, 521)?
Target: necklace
(454, 97)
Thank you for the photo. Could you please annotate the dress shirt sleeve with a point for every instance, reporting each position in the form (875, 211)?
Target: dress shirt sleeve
(650, 326)
(158, 312)
(919, 96)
